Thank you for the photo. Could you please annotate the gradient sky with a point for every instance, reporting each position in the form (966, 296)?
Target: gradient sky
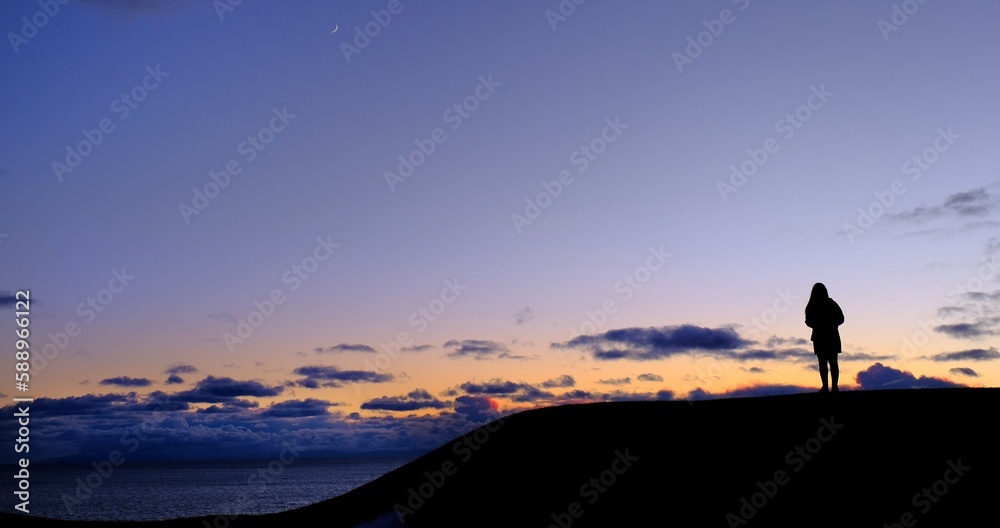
(853, 100)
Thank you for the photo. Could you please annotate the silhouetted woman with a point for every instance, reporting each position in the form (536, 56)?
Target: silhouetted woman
(824, 315)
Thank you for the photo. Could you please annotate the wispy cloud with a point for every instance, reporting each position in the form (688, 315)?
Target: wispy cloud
(299, 408)
(180, 368)
(974, 203)
(616, 381)
(975, 354)
(967, 330)
(516, 391)
(7, 299)
(316, 376)
(223, 316)
(415, 400)
(480, 349)
(560, 382)
(523, 315)
(345, 347)
(126, 381)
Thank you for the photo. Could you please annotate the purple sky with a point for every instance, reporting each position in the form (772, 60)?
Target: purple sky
(243, 215)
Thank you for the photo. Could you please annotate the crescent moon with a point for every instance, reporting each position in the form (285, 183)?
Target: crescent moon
(335, 28)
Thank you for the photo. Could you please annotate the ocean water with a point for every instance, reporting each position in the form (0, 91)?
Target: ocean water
(158, 490)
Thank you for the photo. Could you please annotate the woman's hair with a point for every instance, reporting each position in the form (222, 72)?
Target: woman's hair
(818, 295)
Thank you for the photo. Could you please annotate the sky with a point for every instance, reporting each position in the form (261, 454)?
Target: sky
(373, 226)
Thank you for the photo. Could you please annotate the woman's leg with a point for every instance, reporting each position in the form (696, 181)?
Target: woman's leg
(822, 369)
(834, 370)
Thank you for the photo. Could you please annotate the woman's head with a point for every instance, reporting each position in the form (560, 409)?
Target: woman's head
(819, 292)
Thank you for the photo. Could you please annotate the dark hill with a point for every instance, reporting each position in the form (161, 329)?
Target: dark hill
(856, 459)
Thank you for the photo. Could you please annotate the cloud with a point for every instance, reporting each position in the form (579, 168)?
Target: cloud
(417, 348)
(87, 428)
(619, 395)
(615, 381)
(655, 343)
(966, 330)
(497, 386)
(477, 408)
(316, 376)
(879, 377)
(180, 368)
(562, 381)
(417, 399)
(7, 299)
(126, 381)
(650, 377)
(960, 212)
(523, 315)
(299, 408)
(964, 371)
(223, 389)
(749, 391)
(980, 296)
(88, 404)
(755, 370)
(224, 316)
(344, 347)
(775, 341)
(174, 379)
(975, 354)
(518, 392)
(863, 356)
(791, 354)
(479, 349)
(974, 203)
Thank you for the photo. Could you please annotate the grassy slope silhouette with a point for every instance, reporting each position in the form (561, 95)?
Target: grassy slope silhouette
(864, 456)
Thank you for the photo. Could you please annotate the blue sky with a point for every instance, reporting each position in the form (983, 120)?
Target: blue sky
(576, 168)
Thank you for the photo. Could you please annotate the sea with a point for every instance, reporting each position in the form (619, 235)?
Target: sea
(140, 491)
